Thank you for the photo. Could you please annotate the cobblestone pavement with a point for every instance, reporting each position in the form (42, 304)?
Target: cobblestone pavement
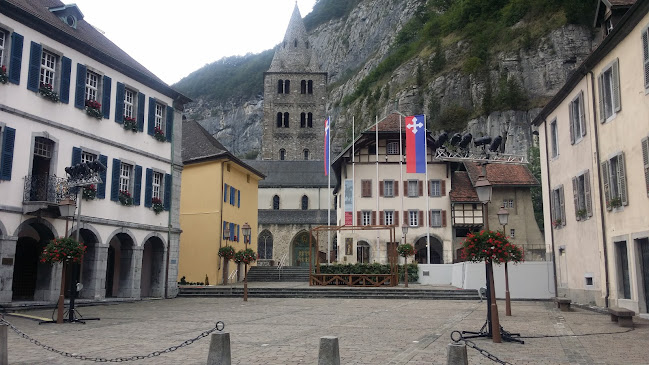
(370, 331)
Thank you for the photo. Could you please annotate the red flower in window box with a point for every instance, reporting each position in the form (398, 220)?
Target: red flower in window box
(156, 205)
(125, 198)
(130, 124)
(159, 134)
(3, 75)
(93, 109)
(48, 92)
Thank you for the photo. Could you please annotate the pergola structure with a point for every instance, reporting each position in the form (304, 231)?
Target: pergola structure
(316, 278)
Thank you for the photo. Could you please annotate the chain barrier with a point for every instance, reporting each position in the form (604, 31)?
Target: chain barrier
(219, 327)
(482, 351)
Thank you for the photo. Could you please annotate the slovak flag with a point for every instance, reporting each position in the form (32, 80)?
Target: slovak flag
(415, 144)
(326, 147)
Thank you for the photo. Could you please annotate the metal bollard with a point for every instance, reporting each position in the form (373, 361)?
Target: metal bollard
(4, 350)
(456, 351)
(219, 349)
(329, 353)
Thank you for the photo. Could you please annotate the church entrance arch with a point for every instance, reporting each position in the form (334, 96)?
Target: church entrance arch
(152, 274)
(265, 245)
(300, 251)
(32, 278)
(436, 251)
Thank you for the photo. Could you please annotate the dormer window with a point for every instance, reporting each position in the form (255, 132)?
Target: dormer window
(69, 14)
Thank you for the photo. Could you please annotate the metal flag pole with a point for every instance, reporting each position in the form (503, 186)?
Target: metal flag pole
(427, 195)
(401, 174)
(353, 172)
(376, 150)
(329, 193)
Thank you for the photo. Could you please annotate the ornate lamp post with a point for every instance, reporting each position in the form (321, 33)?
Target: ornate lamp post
(66, 209)
(245, 229)
(503, 218)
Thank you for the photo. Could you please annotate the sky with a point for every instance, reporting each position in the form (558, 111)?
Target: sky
(174, 38)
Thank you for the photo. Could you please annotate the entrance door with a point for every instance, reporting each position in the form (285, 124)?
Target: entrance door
(301, 250)
(363, 252)
(644, 252)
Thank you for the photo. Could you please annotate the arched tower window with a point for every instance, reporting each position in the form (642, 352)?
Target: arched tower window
(280, 86)
(265, 245)
(303, 87)
(306, 154)
(282, 154)
(302, 120)
(276, 202)
(295, 43)
(287, 86)
(279, 120)
(286, 120)
(310, 120)
(305, 202)
(310, 87)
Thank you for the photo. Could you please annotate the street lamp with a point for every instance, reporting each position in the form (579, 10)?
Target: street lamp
(404, 229)
(66, 209)
(503, 217)
(245, 229)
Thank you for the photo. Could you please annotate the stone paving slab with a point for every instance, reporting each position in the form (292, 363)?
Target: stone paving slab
(370, 331)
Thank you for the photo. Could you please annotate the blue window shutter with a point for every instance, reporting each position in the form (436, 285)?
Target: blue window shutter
(223, 230)
(15, 63)
(105, 104)
(7, 157)
(231, 231)
(101, 188)
(137, 185)
(33, 76)
(232, 194)
(167, 197)
(119, 103)
(238, 198)
(114, 182)
(76, 156)
(148, 188)
(66, 70)
(140, 111)
(170, 123)
(80, 90)
(238, 237)
(151, 125)
(225, 193)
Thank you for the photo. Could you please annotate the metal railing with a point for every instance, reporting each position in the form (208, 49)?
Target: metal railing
(233, 274)
(46, 188)
(280, 264)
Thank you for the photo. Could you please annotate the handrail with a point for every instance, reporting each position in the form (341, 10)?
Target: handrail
(281, 263)
(233, 274)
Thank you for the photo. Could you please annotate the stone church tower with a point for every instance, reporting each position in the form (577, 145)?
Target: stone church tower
(294, 99)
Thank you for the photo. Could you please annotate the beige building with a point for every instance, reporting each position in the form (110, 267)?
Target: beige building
(594, 144)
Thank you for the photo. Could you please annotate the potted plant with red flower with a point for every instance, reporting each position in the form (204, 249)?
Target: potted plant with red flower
(47, 91)
(90, 192)
(227, 253)
(125, 198)
(159, 134)
(3, 74)
(246, 256)
(130, 124)
(93, 109)
(156, 205)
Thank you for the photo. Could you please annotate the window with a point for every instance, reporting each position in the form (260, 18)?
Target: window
(92, 85)
(609, 92)
(392, 148)
(388, 217)
(624, 285)
(413, 218)
(435, 218)
(508, 203)
(303, 87)
(159, 116)
(48, 68)
(303, 120)
(287, 86)
(558, 208)
(3, 42)
(512, 233)
(366, 188)
(233, 195)
(310, 86)
(157, 185)
(388, 188)
(309, 120)
(87, 157)
(279, 120)
(554, 135)
(280, 86)
(306, 154)
(305, 202)
(286, 115)
(282, 154)
(125, 172)
(371, 149)
(614, 181)
(276, 202)
(366, 217)
(577, 119)
(43, 147)
(645, 52)
(435, 188)
(413, 188)
(129, 101)
(581, 194)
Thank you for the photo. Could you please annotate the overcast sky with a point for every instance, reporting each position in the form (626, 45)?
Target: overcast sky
(174, 38)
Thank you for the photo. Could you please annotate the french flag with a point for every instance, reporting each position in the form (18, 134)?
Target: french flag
(326, 147)
(415, 144)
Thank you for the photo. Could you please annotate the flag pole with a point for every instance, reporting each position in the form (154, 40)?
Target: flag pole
(427, 194)
(353, 172)
(376, 149)
(329, 193)
(401, 173)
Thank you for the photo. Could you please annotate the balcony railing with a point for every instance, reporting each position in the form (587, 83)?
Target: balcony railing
(46, 188)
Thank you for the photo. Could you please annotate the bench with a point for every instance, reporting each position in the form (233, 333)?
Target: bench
(563, 304)
(622, 316)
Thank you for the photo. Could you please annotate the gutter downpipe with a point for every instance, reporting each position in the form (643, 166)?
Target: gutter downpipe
(601, 193)
(171, 164)
(547, 168)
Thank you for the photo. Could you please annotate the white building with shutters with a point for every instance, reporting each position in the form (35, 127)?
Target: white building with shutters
(595, 164)
(73, 96)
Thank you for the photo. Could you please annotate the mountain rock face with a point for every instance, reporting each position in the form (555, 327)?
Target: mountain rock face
(350, 48)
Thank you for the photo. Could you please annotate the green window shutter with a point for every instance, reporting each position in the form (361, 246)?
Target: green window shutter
(617, 102)
(167, 197)
(33, 76)
(66, 71)
(582, 114)
(587, 197)
(148, 188)
(101, 188)
(137, 185)
(562, 203)
(114, 182)
(7, 156)
(575, 195)
(600, 92)
(151, 125)
(169, 126)
(119, 103)
(140, 111)
(16, 59)
(80, 89)
(107, 85)
(621, 171)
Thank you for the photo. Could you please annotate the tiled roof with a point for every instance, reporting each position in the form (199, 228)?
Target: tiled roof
(500, 174)
(271, 216)
(198, 144)
(461, 188)
(85, 38)
(389, 124)
(292, 173)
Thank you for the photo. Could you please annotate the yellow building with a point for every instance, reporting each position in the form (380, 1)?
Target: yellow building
(218, 196)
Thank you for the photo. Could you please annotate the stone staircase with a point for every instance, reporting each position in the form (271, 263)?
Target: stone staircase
(271, 273)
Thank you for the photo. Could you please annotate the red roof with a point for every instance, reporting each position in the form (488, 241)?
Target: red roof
(389, 124)
(500, 174)
(461, 188)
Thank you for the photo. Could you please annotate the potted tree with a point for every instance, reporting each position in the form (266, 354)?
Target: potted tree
(406, 250)
(227, 253)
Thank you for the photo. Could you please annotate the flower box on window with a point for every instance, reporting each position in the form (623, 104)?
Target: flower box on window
(93, 109)
(130, 124)
(556, 223)
(615, 203)
(90, 192)
(159, 134)
(3, 74)
(125, 198)
(156, 205)
(48, 93)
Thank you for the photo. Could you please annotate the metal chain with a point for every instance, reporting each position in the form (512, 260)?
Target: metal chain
(219, 327)
(483, 352)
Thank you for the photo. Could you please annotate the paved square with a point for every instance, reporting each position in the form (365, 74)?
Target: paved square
(287, 331)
